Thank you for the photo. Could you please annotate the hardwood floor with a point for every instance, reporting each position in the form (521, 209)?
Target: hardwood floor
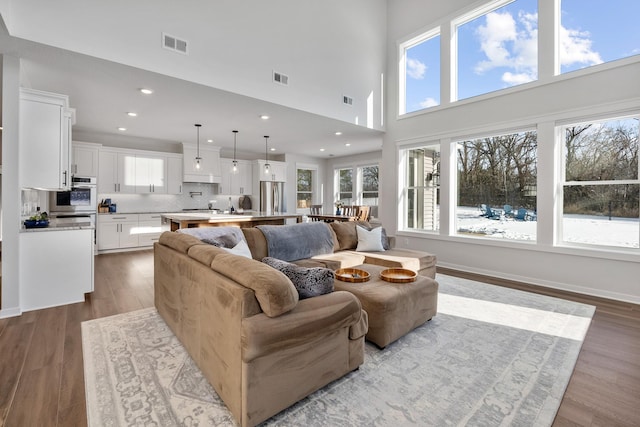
(41, 371)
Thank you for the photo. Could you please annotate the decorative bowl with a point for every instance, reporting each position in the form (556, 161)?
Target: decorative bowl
(353, 275)
(32, 223)
(398, 275)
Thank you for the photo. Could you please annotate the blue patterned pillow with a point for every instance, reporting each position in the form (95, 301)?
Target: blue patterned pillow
(310, 282)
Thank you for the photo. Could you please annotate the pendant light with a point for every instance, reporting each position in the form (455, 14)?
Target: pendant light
(198, 160)
(234, 168)
(267, 166)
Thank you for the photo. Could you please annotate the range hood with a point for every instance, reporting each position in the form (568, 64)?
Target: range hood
(209, 171)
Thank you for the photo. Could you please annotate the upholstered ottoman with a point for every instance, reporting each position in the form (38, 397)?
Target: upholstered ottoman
(394, 309)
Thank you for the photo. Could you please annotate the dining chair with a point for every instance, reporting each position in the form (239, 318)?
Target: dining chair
(363, 213)
(349, 211)
(315, 210)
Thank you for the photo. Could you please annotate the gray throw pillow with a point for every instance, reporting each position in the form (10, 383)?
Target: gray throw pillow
(309, 281)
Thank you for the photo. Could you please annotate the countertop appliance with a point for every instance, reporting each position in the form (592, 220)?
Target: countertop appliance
(272, 197)
(82, 197)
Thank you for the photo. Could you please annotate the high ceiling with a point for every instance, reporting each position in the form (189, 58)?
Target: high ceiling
(103, 92)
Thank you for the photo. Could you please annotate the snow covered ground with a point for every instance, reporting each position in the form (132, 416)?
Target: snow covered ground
(585, 229)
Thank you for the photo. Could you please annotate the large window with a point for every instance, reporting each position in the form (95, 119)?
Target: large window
(421, 73)
(358, 185)
(497, 178)
(596, 31)
(422, 188)
(304, 193)
(497, 48)
(601, 189)
(369, 185)
(345, 186)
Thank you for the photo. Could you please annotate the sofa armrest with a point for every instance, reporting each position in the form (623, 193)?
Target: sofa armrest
(310, 319)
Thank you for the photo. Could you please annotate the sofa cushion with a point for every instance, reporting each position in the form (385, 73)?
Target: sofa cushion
(297, 241)
(179, 242)
(204, 253)
(369, 240)
(257, 242)
(240, 249)
(274, 291)
(309, 281)
(341, 259)
(403, 258)
(347, 234)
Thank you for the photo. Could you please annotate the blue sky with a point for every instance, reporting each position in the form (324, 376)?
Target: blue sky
(499, 49)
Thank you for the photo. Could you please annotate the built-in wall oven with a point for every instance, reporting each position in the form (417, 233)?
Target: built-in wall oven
(77, 206)
(82, 197)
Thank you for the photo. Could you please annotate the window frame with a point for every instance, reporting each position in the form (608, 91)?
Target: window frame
(316, 196)
(402, 67)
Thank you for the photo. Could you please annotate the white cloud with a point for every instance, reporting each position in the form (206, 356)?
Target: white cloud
(416, 69)
(575, 47)
(428, 102)
(507, 46)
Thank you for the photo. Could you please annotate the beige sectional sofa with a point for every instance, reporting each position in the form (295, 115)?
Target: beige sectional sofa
(344, 254)
(260, 347)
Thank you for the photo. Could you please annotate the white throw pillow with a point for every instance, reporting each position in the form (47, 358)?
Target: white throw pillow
(241, 249)
(369, 240)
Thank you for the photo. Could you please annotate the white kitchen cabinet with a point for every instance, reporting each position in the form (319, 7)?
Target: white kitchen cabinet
(150, 228)
(150, 174)
(239, 183)
(116, 231)
(137, 171)
(45, 138)
(174, 174)
(209, 171)
(84, 159)
(277, 171)
(56, 267)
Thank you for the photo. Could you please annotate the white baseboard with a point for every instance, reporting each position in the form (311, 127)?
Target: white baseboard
(10, 312)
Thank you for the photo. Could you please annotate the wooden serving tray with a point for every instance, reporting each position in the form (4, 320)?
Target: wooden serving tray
(398, 275)
(353, 275)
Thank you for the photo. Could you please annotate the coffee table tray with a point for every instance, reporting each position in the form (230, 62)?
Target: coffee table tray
(398, 275)
(353, 275)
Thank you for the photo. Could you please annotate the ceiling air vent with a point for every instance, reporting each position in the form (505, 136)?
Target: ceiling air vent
(173, 43)
(283, 79)
(347, 100)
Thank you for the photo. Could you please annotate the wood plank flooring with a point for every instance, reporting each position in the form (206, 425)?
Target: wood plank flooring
(42, 380)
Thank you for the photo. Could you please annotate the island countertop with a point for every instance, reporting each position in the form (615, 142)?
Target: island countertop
(209, 219)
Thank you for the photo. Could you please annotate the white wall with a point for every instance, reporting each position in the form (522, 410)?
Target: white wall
(328, 49)
(10, 187)
(612, 87)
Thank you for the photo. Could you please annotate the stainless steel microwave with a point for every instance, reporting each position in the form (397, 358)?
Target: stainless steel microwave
(82, 197)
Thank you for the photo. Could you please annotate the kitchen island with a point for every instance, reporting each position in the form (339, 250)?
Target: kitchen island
(209, 219)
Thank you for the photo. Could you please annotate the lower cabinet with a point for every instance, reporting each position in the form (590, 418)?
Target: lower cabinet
(125, 231)
(56, 267)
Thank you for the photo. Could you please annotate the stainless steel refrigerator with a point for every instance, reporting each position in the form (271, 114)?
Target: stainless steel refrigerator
(272, 197)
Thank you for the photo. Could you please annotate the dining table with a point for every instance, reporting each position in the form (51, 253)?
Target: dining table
(331, 217)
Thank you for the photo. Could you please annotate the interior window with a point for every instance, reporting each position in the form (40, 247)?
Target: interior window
(497, 48)
(596, 31)
(601, 190)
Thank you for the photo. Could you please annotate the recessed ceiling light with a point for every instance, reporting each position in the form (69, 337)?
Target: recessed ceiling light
(132, 114)
(272, 149)
(322, 149)
(122, 129)
(146, 91)
(264, 117)
(209, 140)
(348, 144)
(338, 133)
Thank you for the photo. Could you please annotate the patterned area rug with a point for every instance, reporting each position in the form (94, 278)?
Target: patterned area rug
(492, 356)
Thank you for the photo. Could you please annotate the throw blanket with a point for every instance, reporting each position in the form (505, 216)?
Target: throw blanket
(225, 237)
(297, 241)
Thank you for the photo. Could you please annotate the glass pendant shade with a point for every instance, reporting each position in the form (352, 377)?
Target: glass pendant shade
(267, 166)
(234, 164)
(197, 162)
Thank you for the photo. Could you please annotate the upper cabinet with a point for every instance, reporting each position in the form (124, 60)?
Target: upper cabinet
(238, 182)
(277, 171)
(209, 171)
(141, 172)
(45, 140)
(84, 159)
